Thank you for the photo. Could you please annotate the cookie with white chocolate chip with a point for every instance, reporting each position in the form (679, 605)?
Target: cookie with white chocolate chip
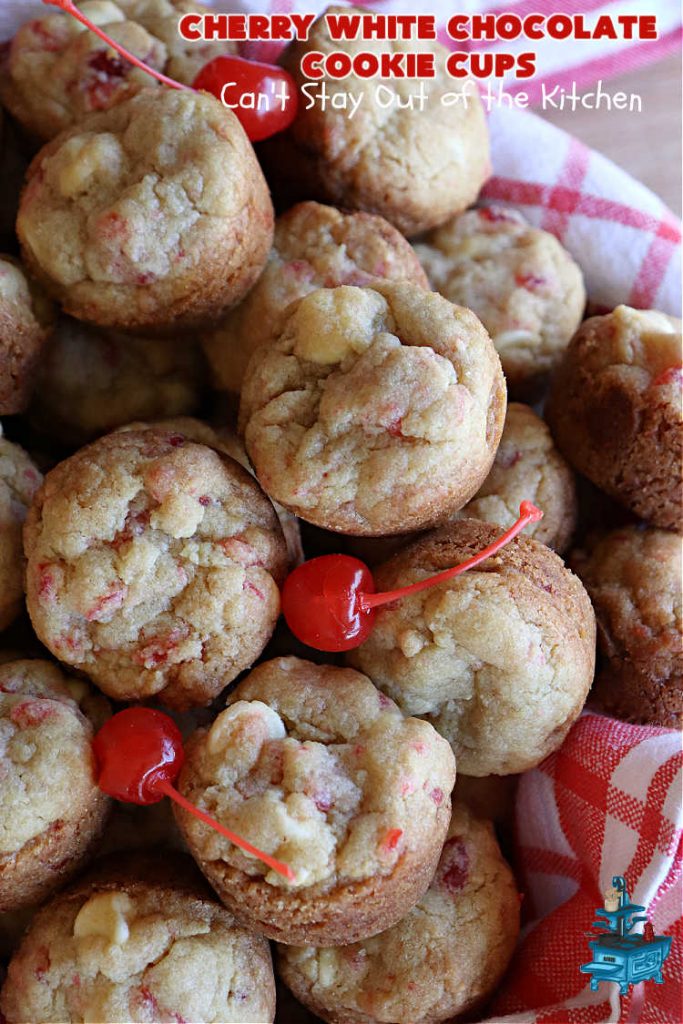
(499, 659)
(414, 167)
(314, 246)
(51, 810)
(377, 410)
(150, 217)
(316, 767)
(153, 565)
(444, 958)
(140, 940)
(523, 285)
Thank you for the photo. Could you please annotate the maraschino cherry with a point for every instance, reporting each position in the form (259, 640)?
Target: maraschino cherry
(227, 78)
(330, 602)
(139, 754)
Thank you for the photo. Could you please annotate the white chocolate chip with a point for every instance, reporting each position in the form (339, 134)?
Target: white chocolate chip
(507, 339)
(332, 324)
(245, 713)
(100, 12)
(84, 159)
(327, 962)
(13, 284)
(105, 914)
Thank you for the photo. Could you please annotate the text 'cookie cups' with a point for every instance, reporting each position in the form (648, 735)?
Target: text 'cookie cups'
(51, 809)
(414, 166)
(499, 660)
(26, 318)
(615, 410)
(523, 285)
(153, 565)
(153, 216)
(445, 957)
(315, 766)
(314, 246)
(633, 576)
(140, 938)
(376, 411)
(19, 481)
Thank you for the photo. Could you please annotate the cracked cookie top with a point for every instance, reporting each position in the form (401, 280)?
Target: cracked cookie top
(19, 481)
(153, 215)
(527, 467)
(55, 71)
(376, 411)
(318, 768)
(48, 770)
(129, 946)
(414, 163)
(314, 246)
(523, 285)
(153, 565)
(499, 659)
(442, 958)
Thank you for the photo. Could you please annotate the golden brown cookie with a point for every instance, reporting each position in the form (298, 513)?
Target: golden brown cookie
(25, 324)
(444, 958)
(139, 944)
(316, 767)
(633, 576)
(152, 216)
(615, 410)
(499, 659)
(528, 467)
(415, 167)
(314, 246)
(153, 566)
(55, 71)
(89, 382)
(51, 810)
(19, 481)
(523, 285)
(376, 411)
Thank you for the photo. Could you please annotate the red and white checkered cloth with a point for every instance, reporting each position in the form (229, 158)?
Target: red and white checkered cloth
(607, 803)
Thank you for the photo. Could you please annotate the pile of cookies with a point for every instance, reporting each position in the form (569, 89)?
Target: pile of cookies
(196, 396)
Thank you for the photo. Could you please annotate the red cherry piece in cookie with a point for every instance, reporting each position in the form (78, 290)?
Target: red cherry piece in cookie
(137, 750)
(139, 754)
(329, 602)
(262, 96)
(70, 8)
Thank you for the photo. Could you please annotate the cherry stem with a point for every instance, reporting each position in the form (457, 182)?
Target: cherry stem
(528, 513)
(277, 865)
(70, 8)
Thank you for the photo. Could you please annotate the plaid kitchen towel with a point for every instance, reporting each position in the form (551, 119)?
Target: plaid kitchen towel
(607, 803)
